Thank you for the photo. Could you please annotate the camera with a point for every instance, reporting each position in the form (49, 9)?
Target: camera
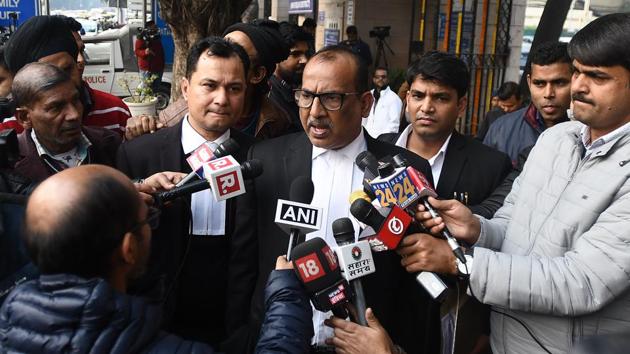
(380, 32)
(148, 34)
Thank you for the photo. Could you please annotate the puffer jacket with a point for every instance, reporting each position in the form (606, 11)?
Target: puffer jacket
(564, 239)
(64, 313)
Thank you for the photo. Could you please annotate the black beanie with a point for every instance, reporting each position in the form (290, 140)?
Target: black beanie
(36, 38)
(267, 40)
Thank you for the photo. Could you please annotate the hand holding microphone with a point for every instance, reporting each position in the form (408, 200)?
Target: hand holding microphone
(462, 223)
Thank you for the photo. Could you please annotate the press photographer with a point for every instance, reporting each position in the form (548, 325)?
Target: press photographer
(150, 53)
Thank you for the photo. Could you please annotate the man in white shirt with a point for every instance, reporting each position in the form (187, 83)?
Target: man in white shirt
(385, 112)
(194, 247)
(332, 101)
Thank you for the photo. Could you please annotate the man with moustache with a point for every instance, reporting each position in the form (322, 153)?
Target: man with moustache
(196, 263)
(333, 99)
(549, 81)
(384, 115)
(47, 100)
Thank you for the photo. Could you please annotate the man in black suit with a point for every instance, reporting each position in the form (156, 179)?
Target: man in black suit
(462, 167)
(191, 251)
(333, 100)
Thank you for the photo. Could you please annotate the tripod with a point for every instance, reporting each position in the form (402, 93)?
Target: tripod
(381, 44)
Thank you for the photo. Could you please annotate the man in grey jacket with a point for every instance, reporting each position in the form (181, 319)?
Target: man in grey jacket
(554, 262)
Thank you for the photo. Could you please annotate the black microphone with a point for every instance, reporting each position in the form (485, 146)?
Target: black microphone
(249, 169)
(369, 165)
(356, 261)
(295, 216)
(316, 266)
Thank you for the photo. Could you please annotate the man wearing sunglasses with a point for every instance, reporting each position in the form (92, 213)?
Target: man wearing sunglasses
(89, 233)
(332, 102)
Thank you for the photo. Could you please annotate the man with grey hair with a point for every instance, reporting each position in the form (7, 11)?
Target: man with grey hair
(48, 101)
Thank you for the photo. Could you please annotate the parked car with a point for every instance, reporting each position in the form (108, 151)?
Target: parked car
(110, 56)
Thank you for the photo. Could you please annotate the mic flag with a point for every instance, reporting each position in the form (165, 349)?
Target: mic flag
(389, 229)
(225, 177)
(297, 213)
(394, 186)
(316, 266)
(355, 258)
(204, 154)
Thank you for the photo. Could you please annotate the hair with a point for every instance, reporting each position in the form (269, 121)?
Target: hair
(351, 29)
(293, 33)
(603, 42)
(33, 80)
(149, 23)
(81, 241)
(381, 68)
(3, 62)
(443, 68)
(509, 89)
(548, 53)
(215, 46)
(309, 22)
(331, 53)
(74, 25)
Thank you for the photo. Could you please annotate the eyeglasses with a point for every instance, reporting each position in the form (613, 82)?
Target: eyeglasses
(153, 219)
(332, 101)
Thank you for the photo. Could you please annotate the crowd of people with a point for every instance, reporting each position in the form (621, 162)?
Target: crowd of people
(538, 200)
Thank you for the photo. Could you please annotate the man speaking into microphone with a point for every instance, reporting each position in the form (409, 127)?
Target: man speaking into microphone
(197, 266)
(332, 101)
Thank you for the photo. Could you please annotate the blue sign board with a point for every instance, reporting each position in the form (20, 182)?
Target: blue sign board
(166, 35)
(331, 36)
(24, 9)
(300, 6)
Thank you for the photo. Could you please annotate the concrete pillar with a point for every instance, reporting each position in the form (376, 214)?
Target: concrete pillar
(517, 23)
(280, 10)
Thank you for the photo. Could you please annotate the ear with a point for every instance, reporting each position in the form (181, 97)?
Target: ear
(184, 86)
(129, 249)
(259, 75)
(407, 97)
(529, 80)
(22, 115)
(461, 105)
(366, 103)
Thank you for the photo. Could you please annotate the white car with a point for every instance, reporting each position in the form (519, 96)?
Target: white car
(110, 56)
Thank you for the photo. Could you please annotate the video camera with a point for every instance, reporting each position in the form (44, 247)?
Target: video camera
(148, 34)
(380, 32)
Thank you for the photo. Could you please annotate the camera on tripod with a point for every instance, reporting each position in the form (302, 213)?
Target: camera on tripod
(380, 32)
(148, 34)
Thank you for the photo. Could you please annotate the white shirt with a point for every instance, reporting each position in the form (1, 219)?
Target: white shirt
(385, 118)
(436, 162)
(208, 216)
(585, 133)
(335, 176)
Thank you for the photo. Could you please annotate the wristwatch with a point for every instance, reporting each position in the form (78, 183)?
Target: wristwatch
(464, 270)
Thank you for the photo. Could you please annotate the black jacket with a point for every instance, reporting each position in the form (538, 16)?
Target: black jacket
(193, 272)
(401, 305)
(471, 172)
(64, 313)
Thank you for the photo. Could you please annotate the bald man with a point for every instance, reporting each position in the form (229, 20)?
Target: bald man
(89, 233)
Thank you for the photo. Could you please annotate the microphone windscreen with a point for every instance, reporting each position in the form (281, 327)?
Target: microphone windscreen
(302, 190)
(360, 194)
(251, 169)
(366, 159)
(366, 213)
(343, 231)
(315, 264)
(228, 147)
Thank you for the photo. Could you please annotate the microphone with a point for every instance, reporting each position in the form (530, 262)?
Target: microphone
(356, 261)
(204, 154)
(296, 216)
(316, 266)
(369, 165)
(390, 231)
(249, 169)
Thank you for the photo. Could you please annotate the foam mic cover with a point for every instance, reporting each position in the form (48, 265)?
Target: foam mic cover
(302, 190)
(252, 168)
(343, 231)
(367, 162)
(367, 213)
(228, 147)
(360, 194)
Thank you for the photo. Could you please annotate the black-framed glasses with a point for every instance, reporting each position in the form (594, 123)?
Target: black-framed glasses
(153, 219)
(332, 101)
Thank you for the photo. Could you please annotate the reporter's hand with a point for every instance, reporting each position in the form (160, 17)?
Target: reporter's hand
(422, 252)
(460, 221)
(162, 181)
(283, 263)
(140, 125)
(145, 193)
(353, 338)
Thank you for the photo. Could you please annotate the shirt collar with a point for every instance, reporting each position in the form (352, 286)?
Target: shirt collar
(404, 137)
(613, 136)
(442, 150)
(191, 140)
(82, 146)
(350, 151)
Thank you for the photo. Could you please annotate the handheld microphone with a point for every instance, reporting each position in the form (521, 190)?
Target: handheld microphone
(204, 154)
(249, 169)
(369, 165)
(356, 261)
(390, 231)
(296, 216)
(316, 266)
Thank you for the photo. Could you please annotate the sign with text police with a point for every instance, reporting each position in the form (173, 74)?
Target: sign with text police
(300, 6)
(23, 9)
(294, 215)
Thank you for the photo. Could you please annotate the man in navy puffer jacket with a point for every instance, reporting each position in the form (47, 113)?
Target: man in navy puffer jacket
(88, 231)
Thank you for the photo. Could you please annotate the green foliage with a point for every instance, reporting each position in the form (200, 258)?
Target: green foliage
(143, 93)
(396, 78)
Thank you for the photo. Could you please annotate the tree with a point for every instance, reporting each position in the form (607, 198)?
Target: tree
(191, 20)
